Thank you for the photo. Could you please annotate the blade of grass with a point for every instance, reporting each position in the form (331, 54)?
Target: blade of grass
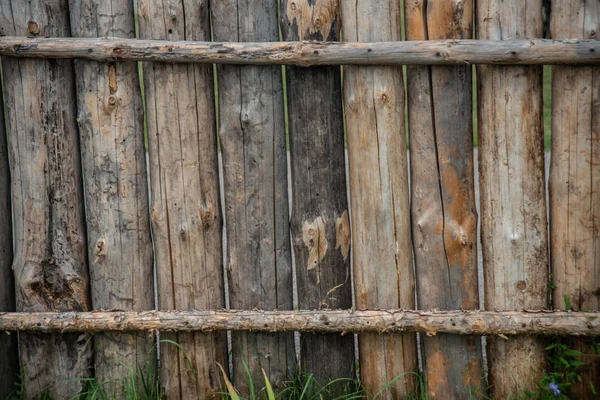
(232, 393)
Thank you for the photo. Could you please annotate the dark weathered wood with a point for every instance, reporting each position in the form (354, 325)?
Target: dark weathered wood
(443, 196)
(110, 118)
(49, 264)
(341, 321)
(9, 367)
(513, 200)
(306, 54)
(575, 181)
(252, 132)
(320, 224)
(186, 213)
(381, 245)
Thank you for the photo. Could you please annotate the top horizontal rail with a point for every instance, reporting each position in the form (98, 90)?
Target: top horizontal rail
(306, 54)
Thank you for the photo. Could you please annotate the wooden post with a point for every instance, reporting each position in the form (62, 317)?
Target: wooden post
(575, 182)
(9, 367)
(443, 196)
(320, 224)
(186, 213)
(47, 197)
(513, 200)
(110, 121)
(252, 132)
(382, 248)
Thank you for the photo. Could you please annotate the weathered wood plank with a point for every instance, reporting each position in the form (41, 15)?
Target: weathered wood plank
(9, 367)
(513, 201)
(443, 196)
(252, 132)
(49, 264)
(306, 54)
(320, 224)
(575, 181)
(110, 118)
(186, 214)
(381, 246)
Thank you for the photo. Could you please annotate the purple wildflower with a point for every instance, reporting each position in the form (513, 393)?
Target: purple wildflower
(554, 388)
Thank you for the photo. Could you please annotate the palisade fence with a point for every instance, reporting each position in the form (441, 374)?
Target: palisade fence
(91, 234)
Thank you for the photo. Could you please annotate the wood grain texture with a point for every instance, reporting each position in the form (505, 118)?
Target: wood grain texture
(306, 54)
(252, 132)
(50, 265)
(186, 214)
(381, 246)
(110, 118)
(9, 367)
(443, 196)
(575, 181)
(320, 225)
(513, 201)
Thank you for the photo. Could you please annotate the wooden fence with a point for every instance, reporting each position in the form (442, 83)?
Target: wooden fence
(86, 223)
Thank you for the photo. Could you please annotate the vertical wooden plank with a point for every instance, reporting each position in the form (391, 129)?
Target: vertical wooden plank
(186, 215)
(9, 367)
(320, 224)
(110, 121)
(443, 196)
(50, 263)
(252, 132)
(575, 182)
(513, 200)
(383, 271)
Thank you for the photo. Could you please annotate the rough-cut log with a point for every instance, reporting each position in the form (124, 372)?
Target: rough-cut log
(320, 224)
(513, 201)
(575, 181)
(110, 118)
(527, 322)
(9, 367)
(305, 54)
(381, 245)
(252, 132)
(186, 214)
(49, 264)
(443, 196)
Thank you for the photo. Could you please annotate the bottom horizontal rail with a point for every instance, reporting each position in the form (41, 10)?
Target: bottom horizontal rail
(536, 322)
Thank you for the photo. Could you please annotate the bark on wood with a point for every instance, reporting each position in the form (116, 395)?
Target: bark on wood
(374, 109)
(306, 54)
(513, 206)
(443, 196)
(252, 136)
(110, 118)
(49, 262)
(9, 367)
(575, 181)
(320, 225)
(186, 215)
(537, 322)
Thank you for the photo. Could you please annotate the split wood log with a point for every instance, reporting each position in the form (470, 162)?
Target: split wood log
(513, 196)
(184, 191)
(110, 118)
(575, 182)
(320, 224)
(252, 132)
(381, 245)
(443, 196)
(306, 54)
(503, 323)
(50, 266)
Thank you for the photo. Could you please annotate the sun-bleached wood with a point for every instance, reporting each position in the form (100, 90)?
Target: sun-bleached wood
(50, 266)
(184, 190)
(381, 238)
(306, 54)
(513, 196)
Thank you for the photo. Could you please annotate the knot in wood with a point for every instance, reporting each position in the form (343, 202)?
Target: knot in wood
(112, 101)
(521, 285)
(33, 27)
(293, 6)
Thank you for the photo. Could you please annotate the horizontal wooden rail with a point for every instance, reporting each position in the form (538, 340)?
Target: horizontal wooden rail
(431, 322)
(306, 54)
